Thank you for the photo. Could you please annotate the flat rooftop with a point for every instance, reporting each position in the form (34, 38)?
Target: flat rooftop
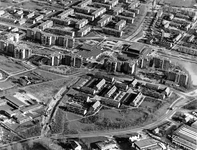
(146, 143)
(137, 46)
(87, 51)
(187, 133)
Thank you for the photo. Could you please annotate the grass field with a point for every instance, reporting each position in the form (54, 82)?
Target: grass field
(10, 66)
(45, 91)
(6, 84)
(179, 3)
(45, 74)
(191, 106)
(111, 119)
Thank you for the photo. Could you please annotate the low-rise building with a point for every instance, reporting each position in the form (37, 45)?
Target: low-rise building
(105, 20)
(111, 91)
(81, 23)
(84, 16)
(107, 145)
(121, 24)
(46, 24)
(117, 10)
(107, 6)
(100, 84)
(83, 31)
(99, 12)
(147, 144)
(112, 32)
(85, 3)
(65, 13)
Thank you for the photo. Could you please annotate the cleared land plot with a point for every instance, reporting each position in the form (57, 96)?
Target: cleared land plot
(45, 74)
(10, 66)
(72, 116)
(191, 106)
(108, 119)
(151, 105)
(46, 91)
(6, 85)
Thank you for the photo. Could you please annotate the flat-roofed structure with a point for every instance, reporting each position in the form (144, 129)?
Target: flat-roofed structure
(121, 24)
(81, 9)
(185, 137)
(46, 24)
(81, 15)
(31, 108)
(81, 23)
(107, 6)
(117, 10)
(106, 19)
(100, 84)
(128, 19)
(85, 30)
(65, 13)
(14, 101)
(132, 99)
(112, 31)
(85, 3)
(148, 144)
(99, 12)
(111, 91)
(134, 49)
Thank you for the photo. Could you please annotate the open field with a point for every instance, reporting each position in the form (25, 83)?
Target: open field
(45, 74)
(6, 84)
(191, 106)
(46, 91)
(179, 3)
(111, 119)
(10, 66)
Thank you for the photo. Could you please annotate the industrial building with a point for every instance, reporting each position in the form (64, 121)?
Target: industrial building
(185, 137)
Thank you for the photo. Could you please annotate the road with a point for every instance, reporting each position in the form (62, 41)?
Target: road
(177, 104)
(9, 129)
(17, 74)
(53, 105)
